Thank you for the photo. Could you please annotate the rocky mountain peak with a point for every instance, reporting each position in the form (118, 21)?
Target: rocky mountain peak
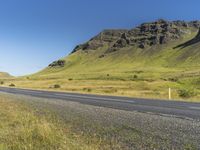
(143, 36)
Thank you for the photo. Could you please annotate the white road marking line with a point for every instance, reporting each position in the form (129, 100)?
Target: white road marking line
(111, 99)
(30, 91)
(193, 107)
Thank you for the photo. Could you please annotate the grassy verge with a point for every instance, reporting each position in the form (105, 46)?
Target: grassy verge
(21, 128)
(28, 123)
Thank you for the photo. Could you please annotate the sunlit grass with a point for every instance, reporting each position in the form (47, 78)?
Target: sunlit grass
(21, 128)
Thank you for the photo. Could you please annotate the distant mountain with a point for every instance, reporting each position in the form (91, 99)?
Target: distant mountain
(4, 75)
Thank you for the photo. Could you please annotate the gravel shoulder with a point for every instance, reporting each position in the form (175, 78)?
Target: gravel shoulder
(118, 129)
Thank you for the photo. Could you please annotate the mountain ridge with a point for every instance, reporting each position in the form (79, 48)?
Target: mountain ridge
(144, 35)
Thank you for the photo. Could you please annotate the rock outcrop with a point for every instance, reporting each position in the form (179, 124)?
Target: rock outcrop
(59, 63)
(143, 36)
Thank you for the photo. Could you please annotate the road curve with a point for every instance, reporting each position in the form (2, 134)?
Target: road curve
(160, 107)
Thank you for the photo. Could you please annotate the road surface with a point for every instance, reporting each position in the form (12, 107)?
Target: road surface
(178, 109)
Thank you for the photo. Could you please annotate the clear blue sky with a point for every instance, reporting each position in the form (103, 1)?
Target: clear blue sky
(33, 33)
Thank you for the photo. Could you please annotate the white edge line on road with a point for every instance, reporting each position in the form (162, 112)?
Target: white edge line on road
(31, 91)
(111, 99)
(193, 107)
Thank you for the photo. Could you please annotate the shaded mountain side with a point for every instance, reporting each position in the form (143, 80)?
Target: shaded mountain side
(195, 40)
(189, 51)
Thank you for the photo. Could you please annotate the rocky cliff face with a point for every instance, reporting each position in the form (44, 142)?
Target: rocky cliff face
(143, 36)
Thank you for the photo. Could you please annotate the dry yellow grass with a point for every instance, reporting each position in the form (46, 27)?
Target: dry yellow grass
(157, 89)
(21, 128)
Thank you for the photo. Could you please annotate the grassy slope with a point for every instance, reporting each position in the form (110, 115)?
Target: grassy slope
(125, 61)
(129, 71)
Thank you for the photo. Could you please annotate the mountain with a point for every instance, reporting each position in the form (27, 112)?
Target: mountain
(161, 43)
(4, 75)
(144, 36)
(146, 60)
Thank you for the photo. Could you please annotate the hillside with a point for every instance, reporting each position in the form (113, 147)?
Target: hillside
(4, 75)
(143, 61)
(160, 41)
(161, 44)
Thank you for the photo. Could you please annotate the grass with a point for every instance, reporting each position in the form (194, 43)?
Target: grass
(148, 84)
(21, 128)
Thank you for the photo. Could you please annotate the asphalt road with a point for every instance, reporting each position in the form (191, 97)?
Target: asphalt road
(161, 107)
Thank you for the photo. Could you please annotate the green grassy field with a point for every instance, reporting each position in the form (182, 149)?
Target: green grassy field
(130, 71)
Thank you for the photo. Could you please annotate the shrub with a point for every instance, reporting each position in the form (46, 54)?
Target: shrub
(186, 93)
(173, 79)
(87, 89)
(135, 76)
(70, 79)
(56, 86)
(1, 82)
(12, 85)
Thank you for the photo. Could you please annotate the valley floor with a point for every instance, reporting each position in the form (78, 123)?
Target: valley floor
(38, 123)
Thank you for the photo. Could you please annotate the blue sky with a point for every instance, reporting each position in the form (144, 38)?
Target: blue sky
(33, 33)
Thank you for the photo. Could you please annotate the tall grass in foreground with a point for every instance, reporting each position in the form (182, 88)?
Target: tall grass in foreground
(22, 129)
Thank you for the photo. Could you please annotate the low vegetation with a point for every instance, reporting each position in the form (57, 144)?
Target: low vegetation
(12, 85)
(21, 128)
(57, 86)
(87, 89)
(187, 93)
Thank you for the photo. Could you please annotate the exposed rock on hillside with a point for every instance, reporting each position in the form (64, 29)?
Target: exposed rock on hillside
(145, 35)
(59, 63)
(105, 37)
